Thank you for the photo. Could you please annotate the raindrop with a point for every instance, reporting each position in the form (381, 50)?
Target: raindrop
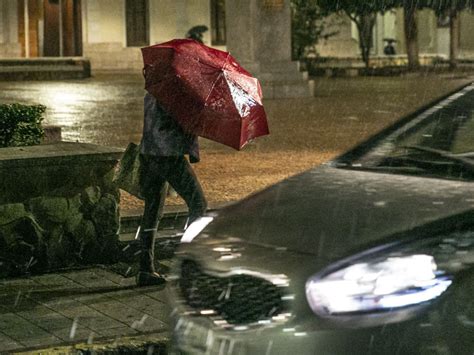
(31, 262)
(231, 346)
(72, 332)
(371, 343)
(272, 311)
(209, 339)
(150, 350)
(138, 324)
(17, 299)
(229, 288)
(426, 325)
(269, 347)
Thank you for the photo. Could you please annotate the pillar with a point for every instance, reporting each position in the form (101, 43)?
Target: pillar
(259, 37)
(9, 43)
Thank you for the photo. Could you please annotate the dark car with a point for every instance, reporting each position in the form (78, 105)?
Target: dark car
(372, 252)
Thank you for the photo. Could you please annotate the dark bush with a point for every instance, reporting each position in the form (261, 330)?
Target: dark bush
(20, 124)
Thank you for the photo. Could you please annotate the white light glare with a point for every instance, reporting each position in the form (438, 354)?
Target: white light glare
(390, 283)
(195, 228)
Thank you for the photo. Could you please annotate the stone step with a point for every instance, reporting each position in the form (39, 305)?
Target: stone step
(43, 75)
(39, 68)
(44, 69)
(280, 67)
(277, 90)
(172, 222)
(295, 76)
(42, 61)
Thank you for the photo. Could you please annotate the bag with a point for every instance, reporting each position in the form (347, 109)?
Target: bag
(127, 176)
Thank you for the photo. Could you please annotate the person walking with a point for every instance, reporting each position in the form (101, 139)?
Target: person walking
(163, 148)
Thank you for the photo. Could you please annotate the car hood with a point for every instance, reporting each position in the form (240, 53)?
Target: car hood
(331, 212)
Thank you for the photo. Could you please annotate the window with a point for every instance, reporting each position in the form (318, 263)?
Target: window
(137, 22)
(218, 22)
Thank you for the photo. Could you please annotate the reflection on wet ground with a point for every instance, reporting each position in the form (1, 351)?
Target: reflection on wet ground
(103, 109)
(108, 108)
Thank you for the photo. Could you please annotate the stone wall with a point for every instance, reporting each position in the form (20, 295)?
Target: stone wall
(113, 56)
(354, 66)
(58, 206)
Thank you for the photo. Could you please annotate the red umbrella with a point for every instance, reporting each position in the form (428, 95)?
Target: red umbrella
(206, 91)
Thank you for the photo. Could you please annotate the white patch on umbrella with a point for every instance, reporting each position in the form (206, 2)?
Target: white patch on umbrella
(242, 100)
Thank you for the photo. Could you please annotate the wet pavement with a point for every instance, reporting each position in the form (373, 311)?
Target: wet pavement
(108, 108)
(85, 308)
(104, 109)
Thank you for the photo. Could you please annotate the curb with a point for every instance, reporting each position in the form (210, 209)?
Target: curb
(155, 343)
(174, 217)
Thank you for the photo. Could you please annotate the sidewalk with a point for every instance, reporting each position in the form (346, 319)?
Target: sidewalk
(78, 307)
(93, 309)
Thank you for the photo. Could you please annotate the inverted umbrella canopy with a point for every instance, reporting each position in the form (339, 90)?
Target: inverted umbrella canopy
(206, 91)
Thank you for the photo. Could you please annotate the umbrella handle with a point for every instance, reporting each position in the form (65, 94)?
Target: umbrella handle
(144, 70)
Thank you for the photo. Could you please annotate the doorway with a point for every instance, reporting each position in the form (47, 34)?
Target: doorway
(50, 28)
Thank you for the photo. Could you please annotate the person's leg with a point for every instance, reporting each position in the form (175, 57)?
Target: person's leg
(154, 190)
(180, 175)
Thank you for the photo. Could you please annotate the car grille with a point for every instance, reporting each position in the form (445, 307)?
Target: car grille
(236, 299)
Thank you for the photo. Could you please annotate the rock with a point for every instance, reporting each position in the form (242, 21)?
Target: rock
(110, 249)
(90, 197)
(60, 249)
(49, 209)
(75, 215)
(75, 203)
(89, 249)
(73, 221)
(106, 216)
(11, 212)
(22, 245)
(108, 184)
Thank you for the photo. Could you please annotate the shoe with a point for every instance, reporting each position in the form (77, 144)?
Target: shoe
(149, 279)
(147, 276)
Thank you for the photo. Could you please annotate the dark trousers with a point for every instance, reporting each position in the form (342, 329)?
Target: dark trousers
(155, 173)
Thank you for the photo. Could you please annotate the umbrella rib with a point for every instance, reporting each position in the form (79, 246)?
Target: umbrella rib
(212, 88)
(226, 60)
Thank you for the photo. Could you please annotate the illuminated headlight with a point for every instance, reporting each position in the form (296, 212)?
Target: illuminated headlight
(376, 286)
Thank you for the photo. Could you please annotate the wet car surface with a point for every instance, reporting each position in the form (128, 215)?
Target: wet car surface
(372, 252)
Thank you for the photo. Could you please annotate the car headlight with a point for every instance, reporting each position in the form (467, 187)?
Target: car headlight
(383, 284)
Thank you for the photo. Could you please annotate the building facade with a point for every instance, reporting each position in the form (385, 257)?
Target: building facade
(109, 32)
(433, 35)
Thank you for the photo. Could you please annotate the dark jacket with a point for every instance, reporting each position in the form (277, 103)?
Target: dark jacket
(163, 136)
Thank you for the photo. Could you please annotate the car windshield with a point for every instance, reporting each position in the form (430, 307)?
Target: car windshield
(437, 142)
